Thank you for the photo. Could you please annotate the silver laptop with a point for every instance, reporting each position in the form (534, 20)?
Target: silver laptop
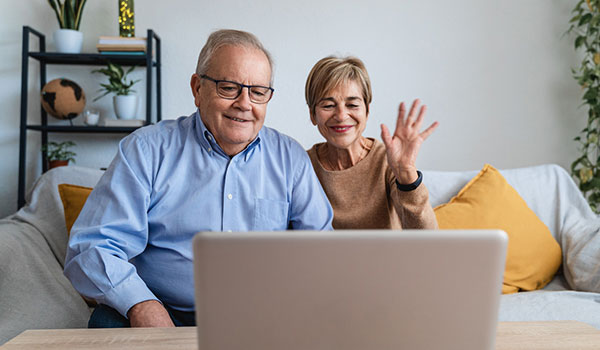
(355, 289)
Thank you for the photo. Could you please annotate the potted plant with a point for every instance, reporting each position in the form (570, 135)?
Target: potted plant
(68, 39)
(124, 101)
(585, 24)
(58, 153)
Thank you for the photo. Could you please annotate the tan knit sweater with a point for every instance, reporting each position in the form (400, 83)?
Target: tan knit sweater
(365, 196)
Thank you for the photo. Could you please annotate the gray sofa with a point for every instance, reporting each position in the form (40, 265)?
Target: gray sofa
(34, 294)
(574, 293)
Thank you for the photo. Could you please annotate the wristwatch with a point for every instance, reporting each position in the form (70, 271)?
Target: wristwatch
(412, 186)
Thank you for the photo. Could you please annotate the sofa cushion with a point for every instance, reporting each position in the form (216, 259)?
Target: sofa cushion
(489, 202)
(73, 198)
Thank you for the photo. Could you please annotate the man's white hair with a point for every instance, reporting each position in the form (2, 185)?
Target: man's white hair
(232, 37)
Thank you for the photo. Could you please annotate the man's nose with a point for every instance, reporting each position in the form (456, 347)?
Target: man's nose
(243, 100)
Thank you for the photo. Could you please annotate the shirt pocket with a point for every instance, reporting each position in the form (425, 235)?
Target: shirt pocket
(270, 215)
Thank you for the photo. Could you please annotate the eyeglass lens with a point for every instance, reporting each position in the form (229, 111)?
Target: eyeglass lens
(232, 90)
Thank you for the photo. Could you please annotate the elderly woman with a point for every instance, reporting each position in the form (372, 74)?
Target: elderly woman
(369, 184)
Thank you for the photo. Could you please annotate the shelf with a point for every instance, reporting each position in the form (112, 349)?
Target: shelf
(150, 61)
(89, 59)
(84, 129)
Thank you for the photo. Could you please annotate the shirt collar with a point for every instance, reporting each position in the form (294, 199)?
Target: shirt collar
(208, 142)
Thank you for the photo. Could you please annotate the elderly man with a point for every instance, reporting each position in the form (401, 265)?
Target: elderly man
(216, 170)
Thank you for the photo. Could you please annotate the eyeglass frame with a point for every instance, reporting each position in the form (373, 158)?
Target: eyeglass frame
(242, 86)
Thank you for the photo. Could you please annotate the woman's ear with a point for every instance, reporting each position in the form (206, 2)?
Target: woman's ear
(312, 118)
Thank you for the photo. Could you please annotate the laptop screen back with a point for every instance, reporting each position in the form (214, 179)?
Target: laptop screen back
(363, 289)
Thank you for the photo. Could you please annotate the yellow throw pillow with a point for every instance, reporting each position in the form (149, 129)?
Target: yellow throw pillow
(489, 202)
(73, 198)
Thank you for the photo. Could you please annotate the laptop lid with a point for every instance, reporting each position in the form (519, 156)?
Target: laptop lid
(354, 289)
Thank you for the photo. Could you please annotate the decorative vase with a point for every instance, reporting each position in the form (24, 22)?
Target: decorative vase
(68, 41)
(57, 163)
(126, 18)
(125, 106)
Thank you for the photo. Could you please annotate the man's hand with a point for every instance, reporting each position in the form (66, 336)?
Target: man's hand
(149, 313)
(402, 147)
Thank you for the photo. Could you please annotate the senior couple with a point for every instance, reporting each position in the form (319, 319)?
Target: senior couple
(219, 169)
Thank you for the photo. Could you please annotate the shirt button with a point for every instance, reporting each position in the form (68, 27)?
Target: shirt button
(210, 137)
(229, 196)
(209, 149)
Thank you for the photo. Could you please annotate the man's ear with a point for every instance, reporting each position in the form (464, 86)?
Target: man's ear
(195, 85)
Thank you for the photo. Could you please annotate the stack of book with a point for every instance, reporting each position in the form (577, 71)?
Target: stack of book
(116, 45)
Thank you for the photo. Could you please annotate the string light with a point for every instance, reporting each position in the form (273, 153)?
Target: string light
(126, 18)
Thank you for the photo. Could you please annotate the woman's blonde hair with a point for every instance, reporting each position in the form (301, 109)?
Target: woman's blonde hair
(329, 73)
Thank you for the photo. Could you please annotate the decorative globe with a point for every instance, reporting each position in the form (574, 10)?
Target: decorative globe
(63, 98)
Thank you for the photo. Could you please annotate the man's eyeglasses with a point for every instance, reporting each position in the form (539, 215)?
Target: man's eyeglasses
(231, 90)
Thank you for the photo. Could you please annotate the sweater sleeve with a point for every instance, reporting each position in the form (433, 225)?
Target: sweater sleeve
(413, 207)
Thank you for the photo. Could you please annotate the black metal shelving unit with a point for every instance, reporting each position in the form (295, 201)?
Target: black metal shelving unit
(88, 59)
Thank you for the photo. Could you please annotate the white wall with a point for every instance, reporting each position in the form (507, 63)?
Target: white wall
(495, 74)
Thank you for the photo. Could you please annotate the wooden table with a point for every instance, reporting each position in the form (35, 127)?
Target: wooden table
(553, 335)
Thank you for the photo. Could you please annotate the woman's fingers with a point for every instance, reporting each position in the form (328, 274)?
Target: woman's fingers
(425, 134)
(411, 115)
(413, 119)
(400, 119)
(409, 129)
(385, 136)
(419, 120)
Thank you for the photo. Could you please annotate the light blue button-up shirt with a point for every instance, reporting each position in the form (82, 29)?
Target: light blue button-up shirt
(132, 240)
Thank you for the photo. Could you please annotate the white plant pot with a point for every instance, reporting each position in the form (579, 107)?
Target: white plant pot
(125, 106)
(68, 41)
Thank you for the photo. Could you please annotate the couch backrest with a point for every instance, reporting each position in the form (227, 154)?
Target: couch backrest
(44, 209)
(547, 189)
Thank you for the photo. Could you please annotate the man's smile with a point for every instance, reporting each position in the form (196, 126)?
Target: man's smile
(236, 119)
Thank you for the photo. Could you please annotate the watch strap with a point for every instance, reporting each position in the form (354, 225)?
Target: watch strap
(412, 186)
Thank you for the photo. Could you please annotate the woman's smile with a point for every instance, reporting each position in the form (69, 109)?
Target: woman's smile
(341, 128)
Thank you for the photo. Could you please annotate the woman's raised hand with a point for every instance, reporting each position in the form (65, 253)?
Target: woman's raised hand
(403, 146)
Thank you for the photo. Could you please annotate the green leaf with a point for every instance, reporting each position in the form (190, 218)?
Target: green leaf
(103, 71)
(104, 94)
(591, 94)
(62, 14)
(117, 81)
(56, 11)
(594, 198)
(585, 19)
(594, 183)
(69, 15)
(130, 70)
(79, 5)
(579, 41)
(119, 70)
(59, 151)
